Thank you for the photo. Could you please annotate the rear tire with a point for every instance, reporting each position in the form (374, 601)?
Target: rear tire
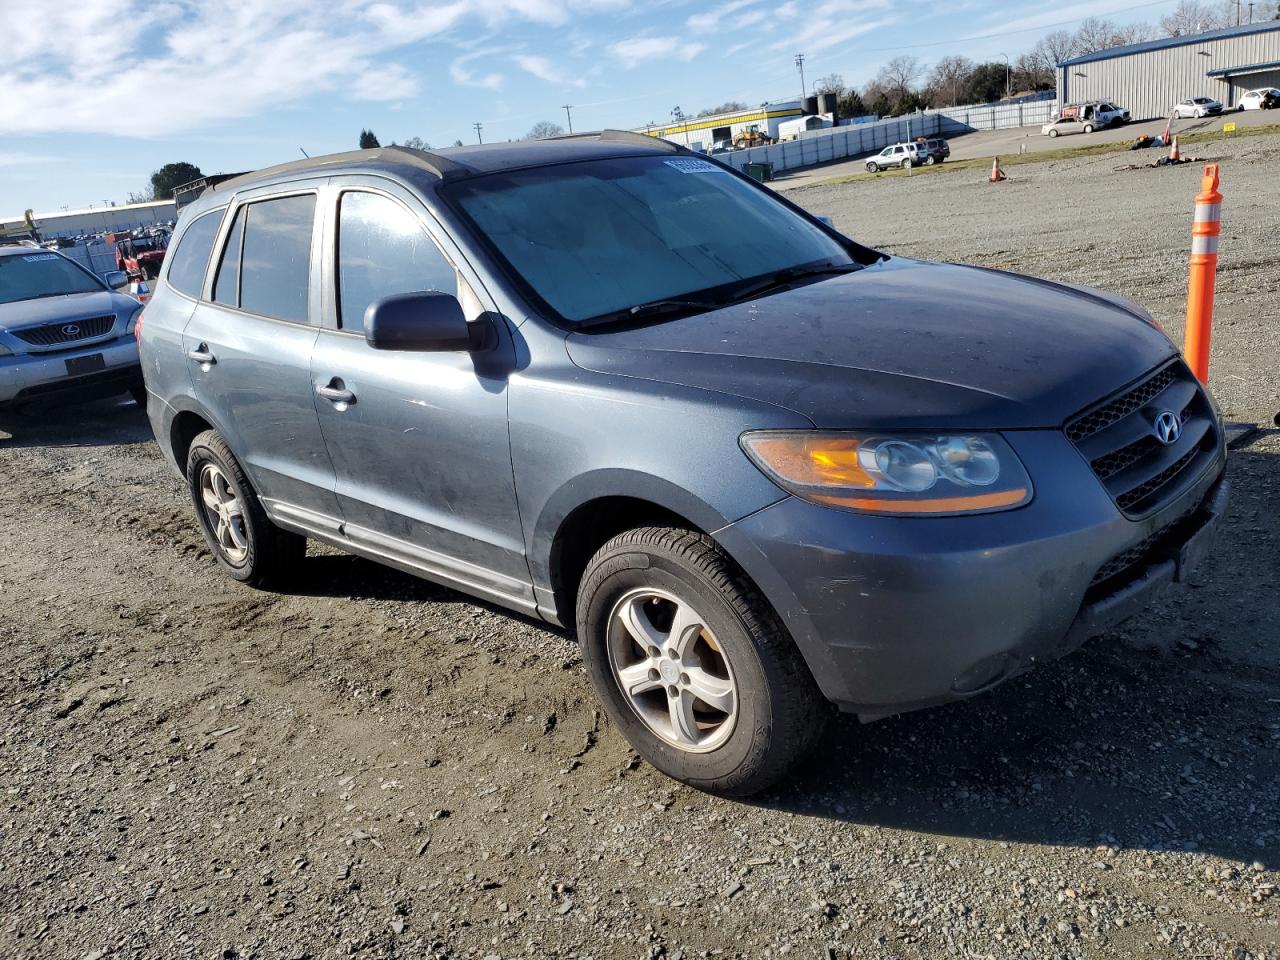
(1088, 128)
(705, 628)
(929, 161)
(245, 543)
(1053, 133)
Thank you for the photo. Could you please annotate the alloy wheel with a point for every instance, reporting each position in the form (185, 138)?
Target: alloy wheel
(671, 670)
(224, 511)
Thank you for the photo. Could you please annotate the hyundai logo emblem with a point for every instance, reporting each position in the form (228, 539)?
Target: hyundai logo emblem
(1168, 427)
(71, 330)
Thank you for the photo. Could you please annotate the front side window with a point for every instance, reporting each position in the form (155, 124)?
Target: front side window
(189, 259)
(601, 236)
(275, 261)
(383, 250)
(30, 276)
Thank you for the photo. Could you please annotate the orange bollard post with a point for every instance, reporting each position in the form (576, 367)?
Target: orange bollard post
(1204, 268)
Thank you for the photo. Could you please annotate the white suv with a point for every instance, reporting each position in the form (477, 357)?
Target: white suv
(901, 155)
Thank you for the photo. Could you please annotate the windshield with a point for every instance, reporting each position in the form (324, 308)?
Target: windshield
(602, 236)
(31, 275)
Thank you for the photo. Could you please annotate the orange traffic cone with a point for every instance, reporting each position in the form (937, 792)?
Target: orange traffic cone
(996, 173)
(1174, 155)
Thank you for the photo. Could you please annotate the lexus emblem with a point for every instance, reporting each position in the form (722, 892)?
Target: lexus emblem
(1168, 427)
(71, 330)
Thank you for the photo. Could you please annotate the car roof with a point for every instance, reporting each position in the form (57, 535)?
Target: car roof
(13, 250)
(457, 162)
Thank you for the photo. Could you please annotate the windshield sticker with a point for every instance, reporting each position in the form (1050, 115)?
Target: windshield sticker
(695, 166)
(40, 256)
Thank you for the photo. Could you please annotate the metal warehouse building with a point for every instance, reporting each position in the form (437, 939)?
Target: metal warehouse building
(71, 223)
(1148, 78)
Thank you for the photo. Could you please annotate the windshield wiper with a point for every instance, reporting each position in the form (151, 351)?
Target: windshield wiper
(652, 308)
(781, 278)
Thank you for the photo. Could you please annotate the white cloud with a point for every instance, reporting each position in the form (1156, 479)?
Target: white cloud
(544, 69)
(463, 75)
(641, 49)
(86, 67)
(831, 23)
(713, 19)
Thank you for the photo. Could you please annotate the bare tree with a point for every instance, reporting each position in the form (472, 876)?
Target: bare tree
(1095, 34)
(948, 80)
(729, 106)
(1193, 16)
(544, 129)
(1031, 73)
(831, 83)
(900, 75)
(417, 143)
(1055, 47)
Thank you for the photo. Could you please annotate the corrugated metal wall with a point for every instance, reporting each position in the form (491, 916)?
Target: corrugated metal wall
(1148, 84)
(841, 142)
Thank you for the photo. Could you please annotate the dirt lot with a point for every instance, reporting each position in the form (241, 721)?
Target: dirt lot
(377, 767)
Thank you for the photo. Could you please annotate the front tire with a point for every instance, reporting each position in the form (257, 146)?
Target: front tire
(873, 168)
(245, 543)
(692, 664)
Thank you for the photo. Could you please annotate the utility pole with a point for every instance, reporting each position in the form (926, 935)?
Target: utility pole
(804, 91)
(569, 116)
(1251, 13)
(1008, 73)
(479, 127)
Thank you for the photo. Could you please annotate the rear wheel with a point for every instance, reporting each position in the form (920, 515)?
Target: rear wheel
(692, 664)
(929, 160)
(246, 544)
(1088, 128)
(907, 164)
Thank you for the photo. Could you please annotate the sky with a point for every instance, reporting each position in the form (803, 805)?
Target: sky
(97, 94)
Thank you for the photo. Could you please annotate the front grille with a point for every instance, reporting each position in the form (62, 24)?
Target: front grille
(1129, 564)
(1117, 437)
(69, 331)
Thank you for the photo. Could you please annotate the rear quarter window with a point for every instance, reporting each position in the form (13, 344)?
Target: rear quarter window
(190, 258)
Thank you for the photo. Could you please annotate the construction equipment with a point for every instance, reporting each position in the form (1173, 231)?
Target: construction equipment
(751, 137)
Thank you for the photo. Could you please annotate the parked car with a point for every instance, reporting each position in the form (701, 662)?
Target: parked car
(755, 466)
(901, 155)
(1196, 107)
(1265, 98)
(936, 150)
(1085, 118)
(65, 334)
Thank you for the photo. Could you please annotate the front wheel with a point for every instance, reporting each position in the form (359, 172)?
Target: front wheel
(1053, 133)
(245, 542)
(873, 168)
(692, 664)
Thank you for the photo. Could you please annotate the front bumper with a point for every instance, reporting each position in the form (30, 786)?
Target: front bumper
(40, 377)
(894, 614)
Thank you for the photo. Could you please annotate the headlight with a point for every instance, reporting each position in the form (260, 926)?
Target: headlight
(904, 473)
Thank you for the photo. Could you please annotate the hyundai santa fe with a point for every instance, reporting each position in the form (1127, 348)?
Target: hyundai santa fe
(756, 467)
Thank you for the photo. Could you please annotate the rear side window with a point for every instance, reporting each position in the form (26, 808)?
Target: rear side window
(189, 259)
(383, 250)
(269, 252)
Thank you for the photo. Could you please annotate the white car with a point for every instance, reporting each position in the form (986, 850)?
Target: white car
(901, 155)
(1264, 98)
(1196, 107)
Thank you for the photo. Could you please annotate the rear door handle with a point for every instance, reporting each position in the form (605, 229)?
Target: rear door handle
(336, 394)
(201, 354)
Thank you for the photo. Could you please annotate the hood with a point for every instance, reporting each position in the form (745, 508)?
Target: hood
(900, 344)
(73, 306)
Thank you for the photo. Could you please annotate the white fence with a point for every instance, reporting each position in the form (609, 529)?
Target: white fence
(997, 116)
(840, 142)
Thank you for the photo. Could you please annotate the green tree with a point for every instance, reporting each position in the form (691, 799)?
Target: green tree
(851, 105)
(986, 83)
(367, 140)
(172, 175)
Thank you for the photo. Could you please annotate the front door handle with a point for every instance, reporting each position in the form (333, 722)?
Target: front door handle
(201, 354)
(335, 392)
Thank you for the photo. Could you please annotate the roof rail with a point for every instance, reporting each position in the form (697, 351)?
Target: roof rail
(624, 136)
(442, 167)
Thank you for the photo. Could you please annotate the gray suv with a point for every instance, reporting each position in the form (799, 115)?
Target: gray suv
(610, 383)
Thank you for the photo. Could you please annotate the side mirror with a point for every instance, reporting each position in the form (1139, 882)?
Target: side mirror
(428, 320)
(115, 279)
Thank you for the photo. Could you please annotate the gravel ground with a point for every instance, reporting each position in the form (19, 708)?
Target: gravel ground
(378, 767)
